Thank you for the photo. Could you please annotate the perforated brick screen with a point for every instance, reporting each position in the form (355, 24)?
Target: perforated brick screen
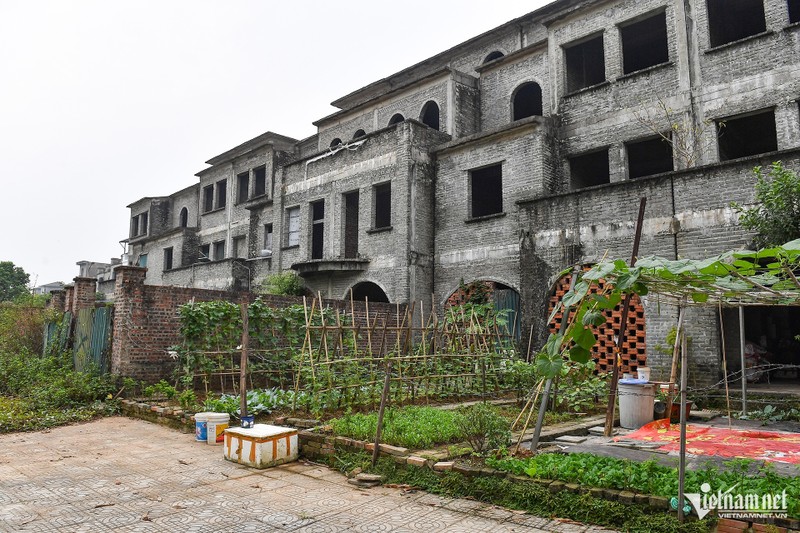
(633, 352)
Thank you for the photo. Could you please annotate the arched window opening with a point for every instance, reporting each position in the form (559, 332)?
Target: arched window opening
(336, 142)
(358, 134)
(527, 101)
(184, 217)
(430, 115)
(497, 54)
(396, 118)
(370, 291)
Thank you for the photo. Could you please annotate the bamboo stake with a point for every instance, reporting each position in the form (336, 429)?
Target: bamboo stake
(530, 415)
(725, 365)
(673, 375)
(243, 363)
(384, 398)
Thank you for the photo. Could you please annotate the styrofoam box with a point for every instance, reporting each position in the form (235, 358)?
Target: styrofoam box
(261, 446)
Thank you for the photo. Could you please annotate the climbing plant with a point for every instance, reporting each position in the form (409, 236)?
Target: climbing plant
(765, 276)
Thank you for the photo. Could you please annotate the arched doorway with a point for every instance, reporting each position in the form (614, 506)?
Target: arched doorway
(396, 119)
(527, 101)
(430, 114)
(369, 290)
(184, 218)
(506, 301)
(633, 353)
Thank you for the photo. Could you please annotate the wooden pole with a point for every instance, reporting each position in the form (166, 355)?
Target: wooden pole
(676, 350)
(742, 343)
(382, 408)
(243, 363)
(725, 364)
(682, 458)
(623, 328)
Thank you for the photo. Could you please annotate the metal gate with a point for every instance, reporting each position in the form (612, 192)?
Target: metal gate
(90, 333)
(508, 301)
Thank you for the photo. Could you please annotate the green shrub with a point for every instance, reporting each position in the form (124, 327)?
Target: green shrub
(286, 283)
(482, 426)
(160, 389)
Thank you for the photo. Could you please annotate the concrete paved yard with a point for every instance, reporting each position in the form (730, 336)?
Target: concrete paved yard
(119, 474)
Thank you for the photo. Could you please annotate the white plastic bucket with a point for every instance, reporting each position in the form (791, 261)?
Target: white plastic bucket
(217, 424)
(644, 373)
(635, 404)
(201, 427)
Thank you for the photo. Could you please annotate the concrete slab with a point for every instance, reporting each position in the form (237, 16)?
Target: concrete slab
(120, 474)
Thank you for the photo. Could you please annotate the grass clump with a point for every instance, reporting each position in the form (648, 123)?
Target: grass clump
(410, 427)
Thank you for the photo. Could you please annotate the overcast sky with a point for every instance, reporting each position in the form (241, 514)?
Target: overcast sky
(103, 102)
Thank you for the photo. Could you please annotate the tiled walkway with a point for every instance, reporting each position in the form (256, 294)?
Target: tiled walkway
(119, 474)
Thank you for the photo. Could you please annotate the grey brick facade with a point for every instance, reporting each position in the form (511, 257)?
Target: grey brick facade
(551, 189)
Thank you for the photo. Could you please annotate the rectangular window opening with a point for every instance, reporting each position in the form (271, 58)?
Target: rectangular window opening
(260, 177)
(135, 226)
(486, 191)
(794, 11)
(589, 170)
(143, 224)
(208, 198)
(142, 262)
(644, 43)
(243, 187)
(649, 157)
(168, 258)
(205, 252)
(747, 135)
(222, 193)
(730, 21)
(293, 226)
(351, 225)
(268, 237)
(317, 228)
(240, 247)
(219, 250)
(585, 63)
(383, 205)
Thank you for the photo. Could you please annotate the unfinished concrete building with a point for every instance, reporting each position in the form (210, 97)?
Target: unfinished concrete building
(508, 158)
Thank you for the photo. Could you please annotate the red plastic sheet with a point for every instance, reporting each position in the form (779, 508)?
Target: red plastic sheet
(702, 440)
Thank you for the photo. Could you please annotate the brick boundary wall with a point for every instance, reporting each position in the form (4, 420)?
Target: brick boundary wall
(58, 300)
(84, 294)
(146, 321)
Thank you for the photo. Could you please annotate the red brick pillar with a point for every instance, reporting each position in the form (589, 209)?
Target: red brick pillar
(69, 290)
(58, 300)
(128, 311)
(84, 294)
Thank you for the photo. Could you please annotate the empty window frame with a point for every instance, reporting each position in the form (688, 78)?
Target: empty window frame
(794, 11)
(168, 258)
(260, 178)
(396, 119)
(184, 218)
(135, 226)
(644, 43)
(208, 198)
(243, 187)
(527, 101)
(588, 170)
(317, 228)
(336, 142)
(293, 226)
(350, 201)
(222, 193)
(747, 135)
(142, 262)
(585, 64)
(219, 250)
(430, 114)
(486, 191)
(382, 194)
(240, 247)
(358, 134)
(731, 20)
(648, 157)
(205, 252)
(268, 237)
(143, 224)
